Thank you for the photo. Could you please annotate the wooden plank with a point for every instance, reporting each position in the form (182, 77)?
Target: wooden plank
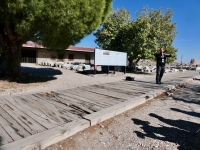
(24, 120)
(13, 124)
(9, 130)
(91, 104)
(60, 107)
(4, 137)
(80, 107)
(51, 111)
(112, 111)
(109, 93)
(142, 84)
(23, 104)
(136, 88)
(117, 89)
(135, 91)
(96, 98)
(49, 137)
(78, 99)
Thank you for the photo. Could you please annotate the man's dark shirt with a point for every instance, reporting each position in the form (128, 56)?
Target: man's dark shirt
(161, 60)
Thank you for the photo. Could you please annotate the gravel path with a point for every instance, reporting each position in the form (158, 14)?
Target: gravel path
(57, 78)
(165, 123)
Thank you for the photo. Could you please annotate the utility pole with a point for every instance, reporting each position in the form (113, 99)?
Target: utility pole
(181, 59)
(181, 62)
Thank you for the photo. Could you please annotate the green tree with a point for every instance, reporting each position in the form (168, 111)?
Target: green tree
(56, 24)
(108, 36)
(142, 37)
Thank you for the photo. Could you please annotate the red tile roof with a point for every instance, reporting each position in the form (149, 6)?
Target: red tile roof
(70, 48)
(85, 49)
(32, 44)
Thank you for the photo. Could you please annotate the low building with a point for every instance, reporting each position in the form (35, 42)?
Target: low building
(36, 53)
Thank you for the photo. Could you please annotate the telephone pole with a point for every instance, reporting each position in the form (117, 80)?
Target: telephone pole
(181, 59)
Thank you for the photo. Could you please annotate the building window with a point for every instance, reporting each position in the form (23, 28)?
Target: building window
(71, 57)
(87, 58)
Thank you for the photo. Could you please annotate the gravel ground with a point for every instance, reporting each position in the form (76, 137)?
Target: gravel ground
(165, 123)
(52, 78)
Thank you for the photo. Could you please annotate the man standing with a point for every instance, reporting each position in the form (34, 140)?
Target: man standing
(160, 62)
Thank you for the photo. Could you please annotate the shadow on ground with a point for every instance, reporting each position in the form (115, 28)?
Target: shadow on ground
(34, 75)
(184, 133)
(189, 94)
(90, 72)
(180, 132)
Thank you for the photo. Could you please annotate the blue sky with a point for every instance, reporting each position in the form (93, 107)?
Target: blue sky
(186, 15)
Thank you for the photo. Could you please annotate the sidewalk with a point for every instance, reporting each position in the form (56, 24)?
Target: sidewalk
(40, 119)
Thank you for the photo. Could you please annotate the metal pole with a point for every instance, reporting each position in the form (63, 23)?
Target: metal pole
(181, 59)
(124, 69)
(181, 62)
(94, 63)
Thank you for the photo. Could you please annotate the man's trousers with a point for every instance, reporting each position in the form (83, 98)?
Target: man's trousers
(159, 73)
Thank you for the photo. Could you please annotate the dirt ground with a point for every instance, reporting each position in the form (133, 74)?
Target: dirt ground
(165, 123)
(44, 78)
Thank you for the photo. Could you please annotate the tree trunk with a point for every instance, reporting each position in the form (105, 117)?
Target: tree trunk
(13, 60)
(133, 64)
(11, 46)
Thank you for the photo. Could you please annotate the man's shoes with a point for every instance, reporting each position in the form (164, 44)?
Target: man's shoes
(159, 83)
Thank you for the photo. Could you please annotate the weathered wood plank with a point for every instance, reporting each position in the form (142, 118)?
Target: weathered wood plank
(78, 108)
(96, 98)
(82, 105)
(136, 92)
(26, 105)
(125, 87)
(135, 87)
(13, 124)
(109, 93)
(49, 137)
(120, 90)
(10, 131)
(4, 137)
(24, 120)
(57, 114)
(142, 84)
(60, 107)
(79, 100)
(112, 111)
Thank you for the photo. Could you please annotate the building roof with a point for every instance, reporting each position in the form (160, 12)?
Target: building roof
(75, 48)
(32, 44)
(70, 48)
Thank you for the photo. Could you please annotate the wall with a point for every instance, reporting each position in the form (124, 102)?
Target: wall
(46, 55)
